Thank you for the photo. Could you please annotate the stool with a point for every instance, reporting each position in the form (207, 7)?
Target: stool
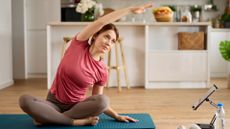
(66, 40)
(117, 67)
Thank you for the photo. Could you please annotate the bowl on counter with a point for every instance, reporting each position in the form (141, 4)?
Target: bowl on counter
(163, 14)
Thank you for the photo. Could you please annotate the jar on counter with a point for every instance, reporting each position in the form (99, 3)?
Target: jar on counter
(196, 13)
(216, 22)
(186, 15)
(196, 16)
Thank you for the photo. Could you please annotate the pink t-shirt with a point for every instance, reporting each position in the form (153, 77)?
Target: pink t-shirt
(77, 72)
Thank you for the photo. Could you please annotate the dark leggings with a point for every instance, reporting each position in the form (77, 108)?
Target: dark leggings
(51, 111)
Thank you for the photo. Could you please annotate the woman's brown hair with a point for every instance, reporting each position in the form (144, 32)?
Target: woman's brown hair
(109, 26)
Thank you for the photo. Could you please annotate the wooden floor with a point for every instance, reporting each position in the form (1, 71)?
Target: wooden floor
(168, 107)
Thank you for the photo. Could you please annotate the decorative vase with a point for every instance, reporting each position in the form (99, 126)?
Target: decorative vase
(88, 16)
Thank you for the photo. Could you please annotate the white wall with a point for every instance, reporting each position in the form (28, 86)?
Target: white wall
(29, 19)
(18, 39)
(6, 77)
(38, 13)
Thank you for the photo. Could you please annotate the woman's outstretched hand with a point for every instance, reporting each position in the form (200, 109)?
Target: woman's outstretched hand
(141, 8)
(125, 119)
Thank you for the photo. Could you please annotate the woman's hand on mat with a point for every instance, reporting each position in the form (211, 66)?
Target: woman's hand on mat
(141, 8)
(125, 119)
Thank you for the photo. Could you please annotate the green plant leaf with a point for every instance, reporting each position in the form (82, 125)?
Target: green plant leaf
(172, 7)
(225, 49)
(225, 17)
(195, 8)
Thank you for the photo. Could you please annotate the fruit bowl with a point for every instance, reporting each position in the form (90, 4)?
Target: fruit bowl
(164, 18)
(163, 14)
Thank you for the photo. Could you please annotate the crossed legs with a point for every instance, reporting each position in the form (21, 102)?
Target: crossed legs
(82, 113)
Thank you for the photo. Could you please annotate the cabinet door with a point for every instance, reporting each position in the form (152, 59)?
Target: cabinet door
(177, 66)
(218, 66)
(40, 12)
(36, 52)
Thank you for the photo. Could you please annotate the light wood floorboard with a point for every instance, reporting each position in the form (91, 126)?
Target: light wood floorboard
(168, 107)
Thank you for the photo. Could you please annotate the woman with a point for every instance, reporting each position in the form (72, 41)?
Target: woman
(80, 68)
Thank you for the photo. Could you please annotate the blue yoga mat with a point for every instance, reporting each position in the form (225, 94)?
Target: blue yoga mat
(23, 121)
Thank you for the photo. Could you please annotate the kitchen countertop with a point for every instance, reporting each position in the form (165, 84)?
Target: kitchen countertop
(136, 23)
(220, 30)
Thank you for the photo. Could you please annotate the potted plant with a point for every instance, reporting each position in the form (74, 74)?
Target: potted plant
(196, 12)
(89, 9)
(225, 19)
(225, 52)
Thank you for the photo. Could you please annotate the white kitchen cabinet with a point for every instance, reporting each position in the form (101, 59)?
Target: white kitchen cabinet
(177, 66)
(38, 13)
(168, 67)
(218, 66)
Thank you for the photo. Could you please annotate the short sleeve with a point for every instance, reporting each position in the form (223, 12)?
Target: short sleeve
(78, 42)
(75, 38)
(101, 83)
(103, 80)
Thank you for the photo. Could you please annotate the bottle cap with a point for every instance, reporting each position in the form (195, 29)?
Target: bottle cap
(220, 104)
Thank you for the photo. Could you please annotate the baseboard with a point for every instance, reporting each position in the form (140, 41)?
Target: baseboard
(218, 75)
(124, 86)
(175, 85)
(6, 84)
(37, 75)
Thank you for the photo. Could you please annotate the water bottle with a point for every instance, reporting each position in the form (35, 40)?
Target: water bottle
(220, 114)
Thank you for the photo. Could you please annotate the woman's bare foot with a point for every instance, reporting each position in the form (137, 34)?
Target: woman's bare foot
(86, 121)
(36, 123)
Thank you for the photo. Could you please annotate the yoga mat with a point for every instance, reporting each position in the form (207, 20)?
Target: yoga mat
(23, 121)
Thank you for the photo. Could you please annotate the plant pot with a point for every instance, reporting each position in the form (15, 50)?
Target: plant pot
(227, 24)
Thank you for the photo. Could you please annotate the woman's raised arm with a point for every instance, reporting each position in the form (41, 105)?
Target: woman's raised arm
(95, 26)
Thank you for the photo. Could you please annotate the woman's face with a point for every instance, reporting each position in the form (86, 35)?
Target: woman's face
(105, 40)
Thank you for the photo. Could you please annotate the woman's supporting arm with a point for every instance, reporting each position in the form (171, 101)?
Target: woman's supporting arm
(111, 112)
